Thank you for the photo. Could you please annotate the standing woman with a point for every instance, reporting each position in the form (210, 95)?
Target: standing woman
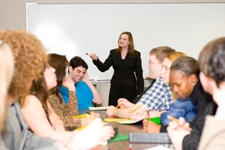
(125, 61)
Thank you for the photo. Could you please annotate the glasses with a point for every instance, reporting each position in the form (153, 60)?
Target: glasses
(153, 63)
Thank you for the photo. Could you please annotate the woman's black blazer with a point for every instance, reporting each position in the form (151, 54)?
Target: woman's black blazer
(125, 70)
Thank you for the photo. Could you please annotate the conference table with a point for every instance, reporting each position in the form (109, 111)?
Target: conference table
(126, 129)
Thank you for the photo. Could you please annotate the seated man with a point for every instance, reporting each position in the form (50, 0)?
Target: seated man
(86, 92)
(158, 97)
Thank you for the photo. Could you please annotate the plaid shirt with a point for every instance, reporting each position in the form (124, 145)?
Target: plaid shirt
(159, 97)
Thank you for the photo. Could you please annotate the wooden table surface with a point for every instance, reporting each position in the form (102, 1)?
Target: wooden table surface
(126, 129)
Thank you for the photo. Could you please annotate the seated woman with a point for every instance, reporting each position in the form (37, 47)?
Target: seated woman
(184, 74)
(63, 110)
(6, 74)
(37, 112)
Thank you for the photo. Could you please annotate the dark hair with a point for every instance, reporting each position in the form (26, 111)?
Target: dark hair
(162, 52)
(77, 62)
(187, 65)
(212, 60)
(40, 90)
(131, 49)
(59, 62)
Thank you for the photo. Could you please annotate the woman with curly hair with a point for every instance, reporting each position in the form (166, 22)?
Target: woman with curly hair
(63, 110)
(29, 62)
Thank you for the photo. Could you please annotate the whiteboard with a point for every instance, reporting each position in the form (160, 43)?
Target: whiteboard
(77, 29)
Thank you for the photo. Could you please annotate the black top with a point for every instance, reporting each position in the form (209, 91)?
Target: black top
(124, 70)
(205, 106)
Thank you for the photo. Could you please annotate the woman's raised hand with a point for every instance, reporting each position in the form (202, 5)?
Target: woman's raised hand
(94, 56)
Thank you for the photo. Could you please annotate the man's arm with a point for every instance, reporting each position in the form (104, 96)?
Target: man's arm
(140, 113)
(97, 97)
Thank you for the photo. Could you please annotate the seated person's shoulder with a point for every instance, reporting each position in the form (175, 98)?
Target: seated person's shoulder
(31, 100)
(82, 84)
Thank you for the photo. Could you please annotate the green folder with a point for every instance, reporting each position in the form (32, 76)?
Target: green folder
(155, 120)
(139, 122)
(119, 137)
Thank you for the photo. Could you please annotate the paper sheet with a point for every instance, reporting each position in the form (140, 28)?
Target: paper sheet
(99, 108)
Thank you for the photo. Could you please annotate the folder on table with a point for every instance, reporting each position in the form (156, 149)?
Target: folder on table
(149, 138)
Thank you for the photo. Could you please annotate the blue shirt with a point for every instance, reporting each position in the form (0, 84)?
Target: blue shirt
(159, 97)
(83, 92)
(181, 108)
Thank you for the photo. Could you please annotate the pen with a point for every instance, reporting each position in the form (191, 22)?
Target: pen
(117, 106)
(135, 109)
(174, 119)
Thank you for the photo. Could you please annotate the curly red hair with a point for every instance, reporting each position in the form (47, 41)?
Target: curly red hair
(29, 59)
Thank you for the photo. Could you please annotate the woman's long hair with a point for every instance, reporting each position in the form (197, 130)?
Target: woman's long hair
(131, 49)
(39, 89)
(6, 74)
(59, 62)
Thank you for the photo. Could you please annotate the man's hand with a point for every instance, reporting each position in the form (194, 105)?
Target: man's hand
(86, 78)
(138, 114)
(110, 111)
(124, 103)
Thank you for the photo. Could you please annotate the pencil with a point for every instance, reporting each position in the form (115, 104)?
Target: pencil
(135, 109)
(89, 117)
(148, 115)
(117, 106)
(174, 119)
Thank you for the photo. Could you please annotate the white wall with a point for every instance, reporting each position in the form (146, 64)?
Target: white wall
(77, 29)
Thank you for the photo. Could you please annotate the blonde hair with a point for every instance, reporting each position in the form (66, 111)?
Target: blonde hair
(6, 74)
(172, 57)
(162, 52)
